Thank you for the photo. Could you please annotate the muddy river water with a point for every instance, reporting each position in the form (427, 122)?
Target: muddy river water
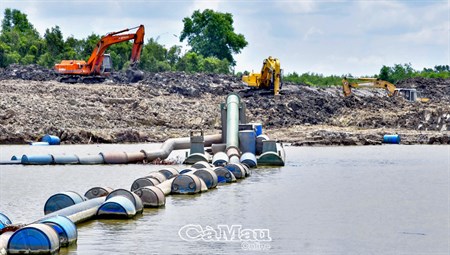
(326, 200)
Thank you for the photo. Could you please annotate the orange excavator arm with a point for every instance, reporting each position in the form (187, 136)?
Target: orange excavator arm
(95, 61)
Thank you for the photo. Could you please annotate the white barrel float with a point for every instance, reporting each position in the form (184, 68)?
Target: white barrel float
(224, 175)
(62, 200)
(187, 183)
(43, 159)
(169, 172)
(117, 207)
(51, 139)
(144, 182)
(4, 238)
(64, 227)
(66, 159)
(249, 159)
(201, 164)
(166, 187)
(97, 192)
(36, 238)
(135, 199)
(115, 157)
(237, 169)
(157, 175)
(151, 196)
(259, 143)
(208, 176)
(4, 221)
(220, 159)
(91, 159)
(134, 157)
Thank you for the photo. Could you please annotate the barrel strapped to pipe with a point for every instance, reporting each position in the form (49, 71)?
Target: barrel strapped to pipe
(4, 220)
(151, 196)
(117, 207)
(208, 176)
(135, 199)
(237, 169)
(64, 227)
(144, 182)
(249, 159)
(62, 200)
(43, 159)
(169, 172)
(97, 192)
(186, 184)
(220, 159)
(35, 238)
(201, 164)
(224, 175)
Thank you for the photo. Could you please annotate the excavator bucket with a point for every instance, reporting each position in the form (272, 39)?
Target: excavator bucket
(134, 75)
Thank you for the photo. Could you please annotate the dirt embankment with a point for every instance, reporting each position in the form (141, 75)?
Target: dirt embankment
(165, 105)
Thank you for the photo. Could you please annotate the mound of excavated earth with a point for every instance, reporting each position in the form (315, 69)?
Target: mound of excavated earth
(170, 104)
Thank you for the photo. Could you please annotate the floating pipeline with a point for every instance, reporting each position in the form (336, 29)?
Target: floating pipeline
(80, 212)
(66, 159)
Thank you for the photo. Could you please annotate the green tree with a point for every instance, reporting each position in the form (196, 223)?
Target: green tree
(211, 34)
(54, 42)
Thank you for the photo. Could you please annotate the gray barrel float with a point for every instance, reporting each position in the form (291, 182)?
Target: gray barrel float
(259, 143)
(247, 170)
(64, 227)
(36, 238)
(135, 199)
(115, 157)
(117, 207)
(158, 175)
(66, 159)
(208, 176)
(224, 175)
(237, 169)
(44, 159)
(201, 164)
(62, 200)
(91, 159)
(249, 159)
(134, 157)
(80, 212)
(143, 182)
(4, 221)
(187, 183)
(151, 196)
(220, 159)
(97, 192)
(169, 172)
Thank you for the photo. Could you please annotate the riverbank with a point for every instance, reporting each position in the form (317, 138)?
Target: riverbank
(167, 105)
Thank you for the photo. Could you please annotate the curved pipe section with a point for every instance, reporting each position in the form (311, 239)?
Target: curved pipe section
(178, 144)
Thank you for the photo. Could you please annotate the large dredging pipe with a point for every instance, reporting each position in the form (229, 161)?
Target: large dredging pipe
(232, 142)
(79, 212)
(178, 144)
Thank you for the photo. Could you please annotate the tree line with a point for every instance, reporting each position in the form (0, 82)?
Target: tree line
(210, 35)
(20, 43)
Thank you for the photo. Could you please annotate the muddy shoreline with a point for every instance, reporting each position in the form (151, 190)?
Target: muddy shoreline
(166, 105)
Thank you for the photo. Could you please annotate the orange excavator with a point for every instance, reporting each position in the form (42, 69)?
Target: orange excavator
(99, 65)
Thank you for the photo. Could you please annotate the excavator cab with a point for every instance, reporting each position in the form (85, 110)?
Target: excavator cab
(106, 64)
(408, 94)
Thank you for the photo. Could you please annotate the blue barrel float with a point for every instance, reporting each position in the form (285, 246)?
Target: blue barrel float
(208, 176)
(249, 159)
(51, 139)
(4, 221)
(391, 139)
(258, 128)
(62, 200)
(42, 159)
(117, 207)
(135, 199)
(224, 175)
(247, 141)
(34, 239)
(64, 227)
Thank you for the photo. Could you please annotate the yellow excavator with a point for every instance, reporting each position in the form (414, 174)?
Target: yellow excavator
(392, 91)
(269, 78)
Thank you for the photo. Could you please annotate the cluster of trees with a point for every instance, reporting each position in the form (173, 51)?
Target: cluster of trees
(400, 72)
(21, 43)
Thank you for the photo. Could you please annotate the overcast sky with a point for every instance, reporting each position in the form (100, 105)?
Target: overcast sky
(329, 37)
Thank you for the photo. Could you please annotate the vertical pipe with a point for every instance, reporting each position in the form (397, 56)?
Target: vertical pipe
(232, 120)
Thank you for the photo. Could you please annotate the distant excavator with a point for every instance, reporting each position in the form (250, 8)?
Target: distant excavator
(99, 65)
(269, 78)
(392, 91)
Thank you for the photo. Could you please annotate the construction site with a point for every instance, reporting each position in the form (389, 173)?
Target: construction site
(170, 104)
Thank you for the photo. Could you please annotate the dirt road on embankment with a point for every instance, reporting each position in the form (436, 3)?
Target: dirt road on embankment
(166, 105)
